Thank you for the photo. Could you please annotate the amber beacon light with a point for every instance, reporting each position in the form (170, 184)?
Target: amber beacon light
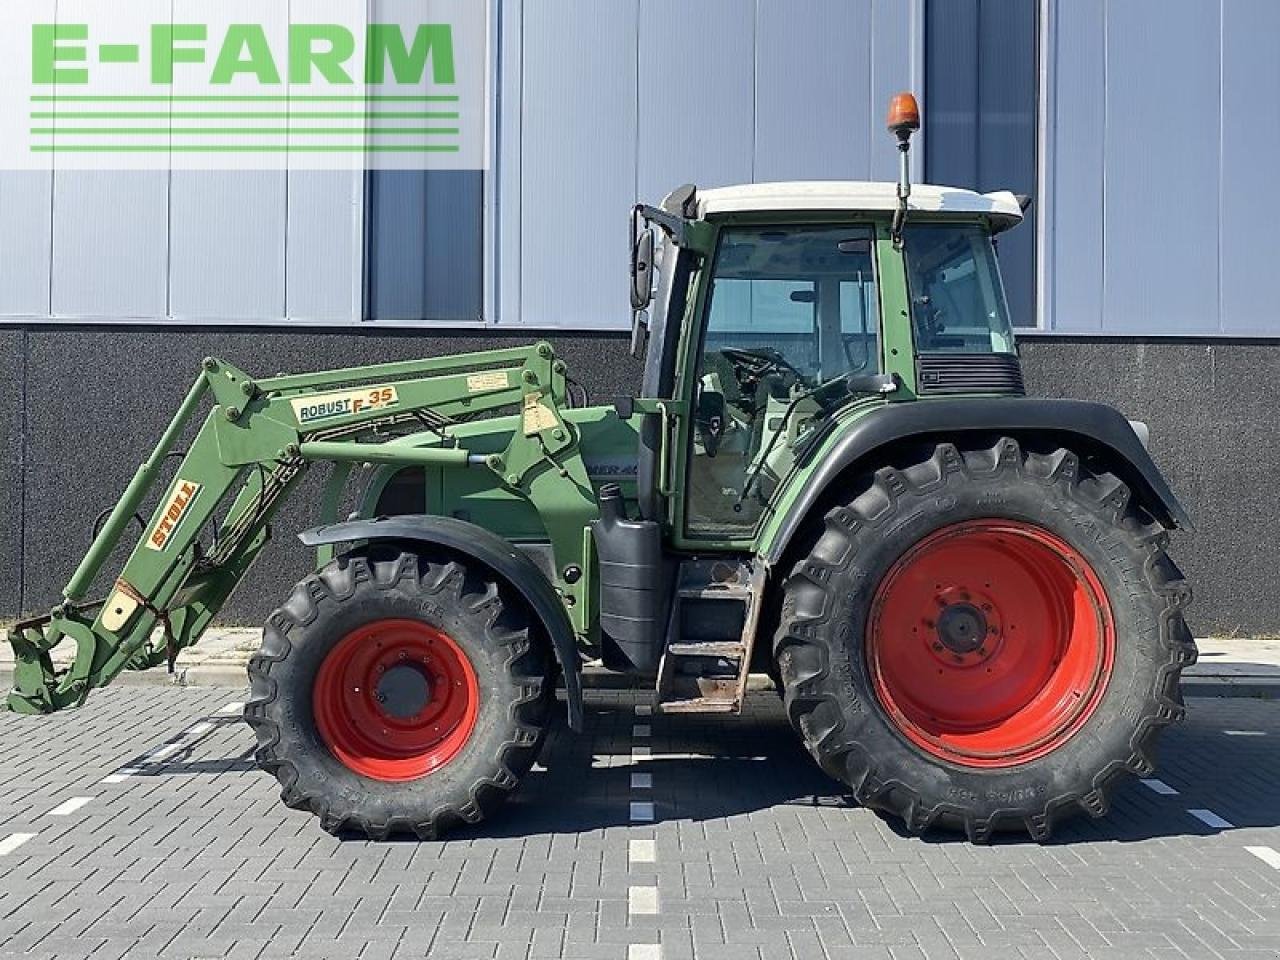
(904, 116)
(904, 120)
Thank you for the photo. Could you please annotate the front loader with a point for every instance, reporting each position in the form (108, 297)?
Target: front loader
(831, 474)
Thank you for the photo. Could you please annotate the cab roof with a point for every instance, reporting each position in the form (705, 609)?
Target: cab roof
(858, 195)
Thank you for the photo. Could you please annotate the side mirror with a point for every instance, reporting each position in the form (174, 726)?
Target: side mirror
(642, 270)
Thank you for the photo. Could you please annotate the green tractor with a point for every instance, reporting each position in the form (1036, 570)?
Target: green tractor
(831, 475)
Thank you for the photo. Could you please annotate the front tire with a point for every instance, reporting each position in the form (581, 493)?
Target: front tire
(399, 693)
(903, 666)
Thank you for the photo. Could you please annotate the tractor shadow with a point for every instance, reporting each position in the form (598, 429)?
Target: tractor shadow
(709, 769)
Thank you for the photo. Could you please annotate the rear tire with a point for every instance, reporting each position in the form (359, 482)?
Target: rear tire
(399, 693)
(892, 694)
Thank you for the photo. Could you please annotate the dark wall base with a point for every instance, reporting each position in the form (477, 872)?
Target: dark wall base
(80, 409)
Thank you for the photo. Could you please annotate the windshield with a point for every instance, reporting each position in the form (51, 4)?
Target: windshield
(957, 299)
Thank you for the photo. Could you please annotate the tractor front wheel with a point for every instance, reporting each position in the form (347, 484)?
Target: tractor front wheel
(985, 640)
(399, 693)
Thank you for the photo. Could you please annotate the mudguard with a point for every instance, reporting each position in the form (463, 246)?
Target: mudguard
(494, 552)
(1100, 427)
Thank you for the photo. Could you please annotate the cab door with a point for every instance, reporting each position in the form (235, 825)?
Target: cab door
(787, 308)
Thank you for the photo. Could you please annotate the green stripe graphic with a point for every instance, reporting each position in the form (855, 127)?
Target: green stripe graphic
(240, 115)
(242, 131)
(227, 98)
(237, 148)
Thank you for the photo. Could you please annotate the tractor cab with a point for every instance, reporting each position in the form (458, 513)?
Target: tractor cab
(774, 316)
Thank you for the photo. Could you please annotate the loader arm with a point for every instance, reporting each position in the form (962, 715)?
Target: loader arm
(254, 446)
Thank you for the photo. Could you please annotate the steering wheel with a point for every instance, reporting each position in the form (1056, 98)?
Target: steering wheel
(752, 365)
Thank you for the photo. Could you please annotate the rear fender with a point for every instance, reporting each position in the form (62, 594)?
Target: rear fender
(1098, 426)
(491, 550)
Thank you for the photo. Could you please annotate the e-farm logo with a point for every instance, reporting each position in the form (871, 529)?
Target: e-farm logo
(398, 83)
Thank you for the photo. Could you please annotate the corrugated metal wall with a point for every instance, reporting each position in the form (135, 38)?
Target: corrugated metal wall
(1162, 134)
(980, 104)
(184, 245)
(626, 99)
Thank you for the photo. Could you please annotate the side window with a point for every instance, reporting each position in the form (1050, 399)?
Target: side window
(957, 300)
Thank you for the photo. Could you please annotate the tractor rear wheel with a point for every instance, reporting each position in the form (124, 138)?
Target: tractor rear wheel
(399, 693)
(985, 640)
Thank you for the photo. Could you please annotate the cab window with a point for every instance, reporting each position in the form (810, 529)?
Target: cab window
(957, 300)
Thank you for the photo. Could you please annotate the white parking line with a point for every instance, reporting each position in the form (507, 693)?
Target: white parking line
(642, 901)
(1211, 819)
(641, 730)
(13, 841)
(641, 811)
(199, 729)
(68, 807)
(640, 753)
(121, 775)
(1266, 855)
(642, 781)
(644, 951)
(162, 752)
(229, 709)
(642, 851)
(1160, 787)
(1245, 733)
(644, 710)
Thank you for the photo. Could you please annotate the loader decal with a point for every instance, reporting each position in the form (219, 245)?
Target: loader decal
(324, 407)
(180, 500)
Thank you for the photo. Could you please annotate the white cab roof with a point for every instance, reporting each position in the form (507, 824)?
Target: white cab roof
(857, 195)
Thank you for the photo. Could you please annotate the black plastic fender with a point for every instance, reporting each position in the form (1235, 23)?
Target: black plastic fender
(502, 557)
(1099, 425)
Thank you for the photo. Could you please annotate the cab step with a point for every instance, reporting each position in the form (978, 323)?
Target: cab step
(708, 673)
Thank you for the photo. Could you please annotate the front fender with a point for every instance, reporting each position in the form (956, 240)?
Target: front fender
(1100, 427)
(494, 552)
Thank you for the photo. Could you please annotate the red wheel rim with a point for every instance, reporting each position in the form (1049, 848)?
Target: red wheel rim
(990, 643)
(396, 700)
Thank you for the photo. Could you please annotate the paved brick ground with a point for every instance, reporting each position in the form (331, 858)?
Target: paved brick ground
(754, 854)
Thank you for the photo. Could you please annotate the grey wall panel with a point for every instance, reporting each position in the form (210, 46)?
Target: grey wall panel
(324, 245)
(110, 243)
(227, 244)
(980, 117)
(1076, 121)
(697, 90)
(1251, 147)
(897, 45)
(26, 224)
(577, 160)
(507, 199)
(1162, 167)
(813, 91)
(606, 103)
(425, 245)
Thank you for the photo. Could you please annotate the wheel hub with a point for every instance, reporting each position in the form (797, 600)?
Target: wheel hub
(403, 691)
(962, 628)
